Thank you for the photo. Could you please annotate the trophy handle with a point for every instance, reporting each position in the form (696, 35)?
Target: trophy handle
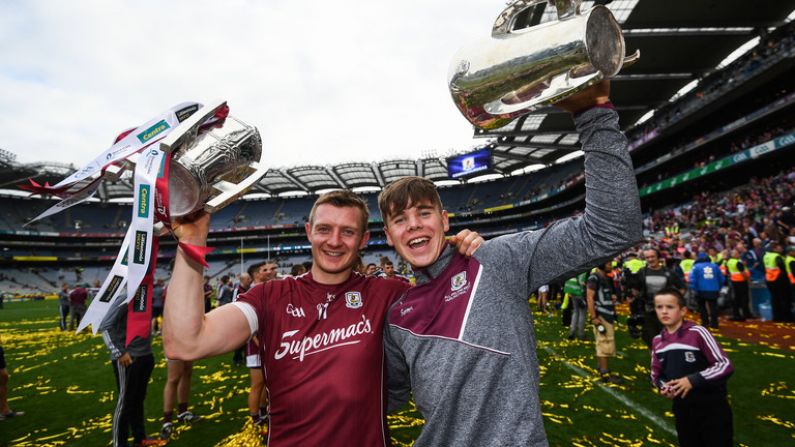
(507, 18)
(232, 191)
(630, 60)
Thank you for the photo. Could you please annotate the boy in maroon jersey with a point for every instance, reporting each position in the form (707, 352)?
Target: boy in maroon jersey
(321, 333)
(689, 367)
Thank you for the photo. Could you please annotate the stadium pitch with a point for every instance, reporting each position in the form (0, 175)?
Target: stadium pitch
(64, 383)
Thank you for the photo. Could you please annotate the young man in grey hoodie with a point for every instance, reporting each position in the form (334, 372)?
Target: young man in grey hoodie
(462, 340)
(132, 365)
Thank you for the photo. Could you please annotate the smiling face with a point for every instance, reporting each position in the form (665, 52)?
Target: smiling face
(418, 233)
(652, 259)
(669, 311)
(336, 235)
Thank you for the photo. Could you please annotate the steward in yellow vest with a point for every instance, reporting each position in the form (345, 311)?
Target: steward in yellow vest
(778, 283)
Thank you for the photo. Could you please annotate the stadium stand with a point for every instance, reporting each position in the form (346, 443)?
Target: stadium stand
(738, 117)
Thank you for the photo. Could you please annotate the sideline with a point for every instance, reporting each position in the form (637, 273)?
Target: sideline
(643, 411)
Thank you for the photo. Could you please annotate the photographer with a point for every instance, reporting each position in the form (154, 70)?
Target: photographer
(650, 280)
(601, 299)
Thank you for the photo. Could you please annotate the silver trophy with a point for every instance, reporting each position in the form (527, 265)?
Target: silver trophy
(209, 169)
(495, 80)
(212, 170)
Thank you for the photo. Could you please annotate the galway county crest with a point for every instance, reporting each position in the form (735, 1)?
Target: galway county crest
(353, 300)
(458, 281)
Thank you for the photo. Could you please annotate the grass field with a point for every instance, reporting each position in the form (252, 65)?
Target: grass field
(65, 384)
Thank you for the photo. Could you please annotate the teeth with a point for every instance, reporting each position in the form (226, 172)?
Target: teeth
(418, 240)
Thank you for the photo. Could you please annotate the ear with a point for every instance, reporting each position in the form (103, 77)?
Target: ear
(308, 229)
(445, 221)
(388, 237)
(365, 238)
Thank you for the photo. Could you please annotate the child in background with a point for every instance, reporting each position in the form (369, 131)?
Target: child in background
(689, 367)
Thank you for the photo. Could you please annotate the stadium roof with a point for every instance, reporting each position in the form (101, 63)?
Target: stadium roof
(680, 42)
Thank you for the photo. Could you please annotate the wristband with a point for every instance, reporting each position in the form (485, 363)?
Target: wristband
(196, 252)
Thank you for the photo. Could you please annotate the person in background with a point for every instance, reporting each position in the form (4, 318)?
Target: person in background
(77, 305)
(5, 411)
(208, 294)
(706, 280)
(370, 269)
(739, 278)
(649, 280)
(689, 367)
(575, 288)
(177, 391)
(242, 287)
(63, 304)
(225, 291)
(132, 367)
(601, 300)
(778, 282)
(297, 270)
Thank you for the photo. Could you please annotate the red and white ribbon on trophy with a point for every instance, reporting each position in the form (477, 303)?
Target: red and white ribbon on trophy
(136, 262)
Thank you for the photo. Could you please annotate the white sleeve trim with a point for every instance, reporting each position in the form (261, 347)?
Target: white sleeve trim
(250, 314)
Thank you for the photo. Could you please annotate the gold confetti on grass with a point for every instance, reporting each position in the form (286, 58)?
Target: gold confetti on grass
(558, 419)
(249, 436)
(777, 421)
(779, 390)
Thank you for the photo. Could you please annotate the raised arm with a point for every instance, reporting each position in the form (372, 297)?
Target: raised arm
(612, 218)
(189, 333)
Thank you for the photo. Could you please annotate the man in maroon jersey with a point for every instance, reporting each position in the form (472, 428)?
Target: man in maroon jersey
(321, 333)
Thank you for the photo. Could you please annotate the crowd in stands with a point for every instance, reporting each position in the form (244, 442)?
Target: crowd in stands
(770, 49)
(762, 209)
(761, 134)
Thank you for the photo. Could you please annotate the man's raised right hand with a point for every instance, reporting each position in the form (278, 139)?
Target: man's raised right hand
(192, 229)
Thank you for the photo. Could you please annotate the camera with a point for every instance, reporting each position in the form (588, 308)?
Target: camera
(635, 325)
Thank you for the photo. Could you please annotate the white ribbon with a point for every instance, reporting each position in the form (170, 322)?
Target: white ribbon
(109, 292)
(142, 223)
(80, 197)
(143, 136)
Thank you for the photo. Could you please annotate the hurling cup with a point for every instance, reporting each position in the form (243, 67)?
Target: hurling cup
(515, 72)
(212, 169)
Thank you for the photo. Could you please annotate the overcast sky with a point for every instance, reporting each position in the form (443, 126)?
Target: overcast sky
(325, 82)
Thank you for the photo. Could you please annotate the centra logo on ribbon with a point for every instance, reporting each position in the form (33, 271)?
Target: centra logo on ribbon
(143, 201)
(139, 257)
(140, 298)
(153, 131)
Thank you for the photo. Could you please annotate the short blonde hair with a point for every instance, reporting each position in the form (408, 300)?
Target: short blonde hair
(343, 198)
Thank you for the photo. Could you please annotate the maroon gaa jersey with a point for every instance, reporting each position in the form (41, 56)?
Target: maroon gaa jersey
(323, 358)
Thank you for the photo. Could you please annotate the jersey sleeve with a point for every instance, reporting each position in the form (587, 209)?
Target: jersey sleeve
(252, 304)
(656, 366)
(612, 218)
(720, 368)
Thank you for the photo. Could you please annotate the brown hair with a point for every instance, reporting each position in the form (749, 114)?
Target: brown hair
(398, 195)
(680, 299)
(341, 199)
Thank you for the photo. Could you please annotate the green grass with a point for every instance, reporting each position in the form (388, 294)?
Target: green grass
(65, 385)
